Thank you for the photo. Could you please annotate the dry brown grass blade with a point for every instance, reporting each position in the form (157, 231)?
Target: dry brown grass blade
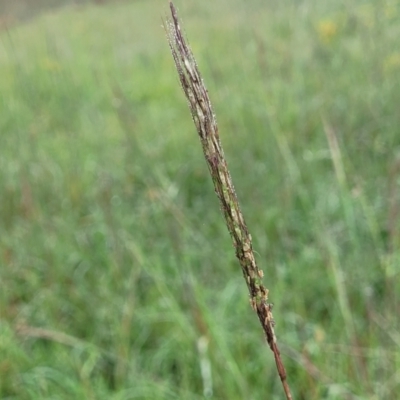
(204, 119)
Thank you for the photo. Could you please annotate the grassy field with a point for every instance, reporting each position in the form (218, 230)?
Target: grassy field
(118, 277)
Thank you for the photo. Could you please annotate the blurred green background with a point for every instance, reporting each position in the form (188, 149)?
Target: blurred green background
(118, 277)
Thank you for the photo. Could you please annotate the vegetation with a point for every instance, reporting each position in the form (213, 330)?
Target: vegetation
(118, 278)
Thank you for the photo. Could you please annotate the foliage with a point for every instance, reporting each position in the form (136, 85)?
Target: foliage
(115, 261)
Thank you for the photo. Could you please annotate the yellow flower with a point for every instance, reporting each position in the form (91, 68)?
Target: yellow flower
(327, 30)
(51, 65)
(319, 334)
(390, 11)
(392, 62)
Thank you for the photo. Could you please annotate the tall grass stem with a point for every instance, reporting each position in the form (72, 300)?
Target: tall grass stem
(206, 125)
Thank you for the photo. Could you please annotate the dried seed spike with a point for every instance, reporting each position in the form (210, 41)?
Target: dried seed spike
(206, 125)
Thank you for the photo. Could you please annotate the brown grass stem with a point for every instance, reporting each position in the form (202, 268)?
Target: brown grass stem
(206, 125)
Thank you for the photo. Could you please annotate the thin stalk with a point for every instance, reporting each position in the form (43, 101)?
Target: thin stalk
(206, 125)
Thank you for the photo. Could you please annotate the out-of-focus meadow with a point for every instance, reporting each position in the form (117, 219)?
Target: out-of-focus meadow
(118, 277)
